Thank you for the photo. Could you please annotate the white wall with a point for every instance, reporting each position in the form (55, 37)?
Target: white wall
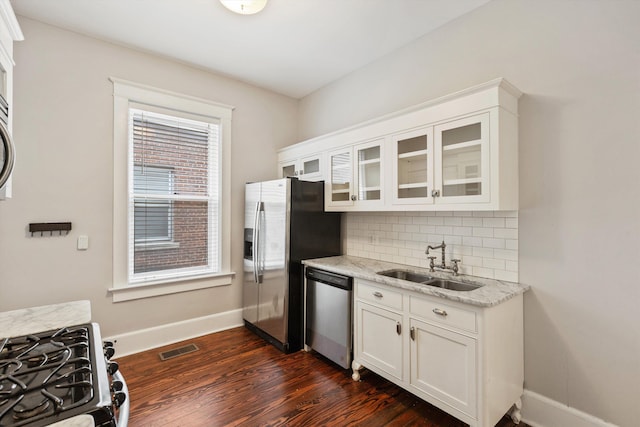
(578, 63)
(63, 131)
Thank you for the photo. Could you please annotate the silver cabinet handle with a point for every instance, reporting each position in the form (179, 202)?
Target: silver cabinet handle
(435, 193)
(440, 312)
(398, 328)
(412, 333)
(354, 198)
(377, 294)
(9, 155)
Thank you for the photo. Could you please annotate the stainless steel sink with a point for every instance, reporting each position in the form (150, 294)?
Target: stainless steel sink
(406, 275)
(452, 285)
(425, 279)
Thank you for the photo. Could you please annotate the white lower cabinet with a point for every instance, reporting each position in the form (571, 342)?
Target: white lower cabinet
(466, 360)
(443, 365)
(380, 340)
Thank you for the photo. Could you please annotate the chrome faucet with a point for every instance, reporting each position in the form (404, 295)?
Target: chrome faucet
(443, 265)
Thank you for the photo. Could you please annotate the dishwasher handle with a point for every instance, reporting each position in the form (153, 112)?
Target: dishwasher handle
(329, 278)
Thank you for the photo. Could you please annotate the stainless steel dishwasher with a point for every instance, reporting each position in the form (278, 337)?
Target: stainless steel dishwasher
(328, 318)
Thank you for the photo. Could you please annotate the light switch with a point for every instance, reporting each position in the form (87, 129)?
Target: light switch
(83, 243)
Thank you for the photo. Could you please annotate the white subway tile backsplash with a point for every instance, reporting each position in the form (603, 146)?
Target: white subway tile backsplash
(472, 241)
(398, 227)
(412, 228)
(443, 229)
(473, 261)
(483, 214)
(487, 242)
(483, 252)
(462, 231)
(506, 254)
(483, 272)
(493, 222)
(472, 222)
(493, 243)
(506, 233)
(435, 220)
(428, 229)
(482, 232)
(453, 220)
(508, 276)
(496, 264)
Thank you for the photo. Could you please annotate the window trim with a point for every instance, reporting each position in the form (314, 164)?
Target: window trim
(126, 93)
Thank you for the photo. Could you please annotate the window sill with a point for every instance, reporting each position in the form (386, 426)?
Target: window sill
(170, 286)
(156, 246)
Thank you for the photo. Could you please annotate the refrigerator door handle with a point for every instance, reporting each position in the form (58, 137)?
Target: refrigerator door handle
(261, 257)
(256, 242)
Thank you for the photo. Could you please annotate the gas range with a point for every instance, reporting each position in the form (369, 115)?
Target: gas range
(54, 375)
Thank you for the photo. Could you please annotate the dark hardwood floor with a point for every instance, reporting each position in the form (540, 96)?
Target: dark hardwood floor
(237, 379)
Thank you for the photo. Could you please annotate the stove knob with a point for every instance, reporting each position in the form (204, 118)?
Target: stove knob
(109, 352)
(116, 386)
(112, 368)
(107, 344)
(119, 398)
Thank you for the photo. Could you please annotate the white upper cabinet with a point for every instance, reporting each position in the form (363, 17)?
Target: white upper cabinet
(463, 168)
(458, 152)
(413, 167)
(339, 187)
(356, 177)
(308, 168)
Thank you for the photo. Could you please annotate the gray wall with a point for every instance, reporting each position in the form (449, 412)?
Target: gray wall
(63, 110)
(578, 63)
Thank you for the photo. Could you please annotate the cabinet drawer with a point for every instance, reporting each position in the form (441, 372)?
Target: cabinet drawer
(379, 295)
(444, 314)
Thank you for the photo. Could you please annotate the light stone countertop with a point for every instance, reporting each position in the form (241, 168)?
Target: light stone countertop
(37, 319)
(492, 292)
(77, 421)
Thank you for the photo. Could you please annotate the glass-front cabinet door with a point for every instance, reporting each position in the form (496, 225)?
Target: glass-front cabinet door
(462, 174)
(340, 180)
(311, 167)
(307, 168)
(368, 164)
(288, 169)
(413, 167)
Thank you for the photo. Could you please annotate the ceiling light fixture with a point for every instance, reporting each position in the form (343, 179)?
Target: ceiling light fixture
(244, 7)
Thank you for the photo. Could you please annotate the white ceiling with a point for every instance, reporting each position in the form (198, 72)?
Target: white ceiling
(293, 47)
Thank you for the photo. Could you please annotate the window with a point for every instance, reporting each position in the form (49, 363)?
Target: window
(153, 218)
(173, 197)
(171, 192)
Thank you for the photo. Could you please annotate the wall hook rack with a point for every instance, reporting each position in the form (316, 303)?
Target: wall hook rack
(50, 227)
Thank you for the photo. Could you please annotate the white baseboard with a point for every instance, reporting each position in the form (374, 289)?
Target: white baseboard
(158, 336)
(540, 411)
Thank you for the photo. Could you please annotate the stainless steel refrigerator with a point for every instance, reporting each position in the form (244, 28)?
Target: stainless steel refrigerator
(285, 223)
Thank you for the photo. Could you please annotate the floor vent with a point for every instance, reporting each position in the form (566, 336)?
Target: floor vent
(170, 354)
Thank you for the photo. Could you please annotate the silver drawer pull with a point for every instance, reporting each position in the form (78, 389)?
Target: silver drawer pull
(439, 312)
(377, 294)
(398, 328)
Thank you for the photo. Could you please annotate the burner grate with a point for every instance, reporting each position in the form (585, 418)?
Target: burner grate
(170, 354)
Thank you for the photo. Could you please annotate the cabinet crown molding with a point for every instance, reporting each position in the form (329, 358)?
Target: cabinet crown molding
(9, 18)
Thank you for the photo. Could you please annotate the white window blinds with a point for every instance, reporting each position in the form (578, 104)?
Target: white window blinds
(174, 206)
